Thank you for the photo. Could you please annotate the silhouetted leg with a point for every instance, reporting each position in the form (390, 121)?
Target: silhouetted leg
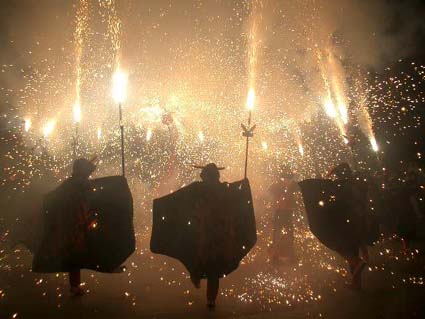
(213, 284)
(75, 278)
(75, 282)
(356, 268)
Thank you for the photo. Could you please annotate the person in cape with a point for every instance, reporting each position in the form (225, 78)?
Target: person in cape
(282, 197)
(356, 251)
(209, 226)
(67, 229)
(87, 224)
(211, 237)
(338, 215)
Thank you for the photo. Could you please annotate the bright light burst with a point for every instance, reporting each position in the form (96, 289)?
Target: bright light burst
(119, 86)
(48, 128)
(330, 108)
(343, 113)
(374, 144)
(301, 149)
(201, 136)
(148, 135)
(77, 112)
(27, 124)
(250, 100)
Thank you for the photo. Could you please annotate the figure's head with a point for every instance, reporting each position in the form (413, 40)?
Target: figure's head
(211, 173)
(343, 171)
(82, 168)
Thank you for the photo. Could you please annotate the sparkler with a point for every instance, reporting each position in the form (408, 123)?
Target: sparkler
(77, 120)
(248, 131)
(119, 93)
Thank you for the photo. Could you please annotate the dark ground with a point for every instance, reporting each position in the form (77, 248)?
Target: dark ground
(158, 289)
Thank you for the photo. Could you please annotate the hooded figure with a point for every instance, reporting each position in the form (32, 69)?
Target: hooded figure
(209, 226)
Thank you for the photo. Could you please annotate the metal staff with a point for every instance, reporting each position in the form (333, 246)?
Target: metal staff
(120, 83)
(122, 141)
(248, 131)
(77, 119)
(76, 141)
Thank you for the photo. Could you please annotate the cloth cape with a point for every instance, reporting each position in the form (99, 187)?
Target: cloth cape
(209, 229)
(338, 214)
(86, 224)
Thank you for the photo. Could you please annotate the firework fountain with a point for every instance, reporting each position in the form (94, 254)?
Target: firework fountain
(305, 116)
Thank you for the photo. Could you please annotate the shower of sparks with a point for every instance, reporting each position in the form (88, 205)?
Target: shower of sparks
(255, 19)
(80, 32)
(185, 102)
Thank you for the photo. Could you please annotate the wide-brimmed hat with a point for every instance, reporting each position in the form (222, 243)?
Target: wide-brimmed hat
(210, 171)
(210, 166)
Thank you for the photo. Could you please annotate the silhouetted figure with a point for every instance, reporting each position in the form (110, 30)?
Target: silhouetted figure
(402, 202)
(87, 224)
(70, 227)
(210, 241)
(357, 254)
(338, 215)
(209, 226)
(283, 202)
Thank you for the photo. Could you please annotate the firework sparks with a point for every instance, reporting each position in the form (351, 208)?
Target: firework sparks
(304, 114)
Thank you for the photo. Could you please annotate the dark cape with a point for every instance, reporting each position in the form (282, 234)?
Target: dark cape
(86, 224)
(209, 228)
(338, 214)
